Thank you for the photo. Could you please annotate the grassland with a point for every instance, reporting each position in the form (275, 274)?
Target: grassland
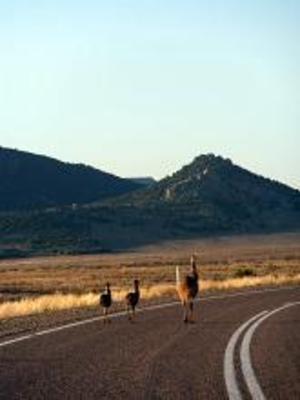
(37, 285)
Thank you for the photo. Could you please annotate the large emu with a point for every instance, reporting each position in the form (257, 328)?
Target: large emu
(188, 290)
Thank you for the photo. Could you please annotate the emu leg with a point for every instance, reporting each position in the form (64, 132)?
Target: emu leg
(191, 307)
(128, 313)
(107, 316)
(185, 313)
(104, 315)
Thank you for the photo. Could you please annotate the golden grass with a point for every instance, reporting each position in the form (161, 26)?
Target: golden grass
(248, 282)
(69, 282)
(218, 258)
(46, 303)
(56, 302)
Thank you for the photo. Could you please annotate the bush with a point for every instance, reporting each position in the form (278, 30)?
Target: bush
(243, 272)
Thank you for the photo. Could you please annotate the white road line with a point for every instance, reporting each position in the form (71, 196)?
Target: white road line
(246, 365)
(232, 387)
(145, 309)
(79, 323)
(246, 293)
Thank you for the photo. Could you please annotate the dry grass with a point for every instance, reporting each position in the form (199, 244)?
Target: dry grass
(51, 303)
(45, 284)
(249, 282)
(58, 301)
(47, 303)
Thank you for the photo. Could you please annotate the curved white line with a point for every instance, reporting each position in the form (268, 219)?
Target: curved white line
(246, 365)
(232, 387)
(151, 308)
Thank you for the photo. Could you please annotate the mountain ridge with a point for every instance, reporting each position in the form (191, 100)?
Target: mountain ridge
(208, 197)
(31, 181)
(197, 173)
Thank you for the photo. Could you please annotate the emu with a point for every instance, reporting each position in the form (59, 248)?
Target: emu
(188, 290)
(106, 302)
(132, 299)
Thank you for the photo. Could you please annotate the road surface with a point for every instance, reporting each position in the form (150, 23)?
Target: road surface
(243, 346)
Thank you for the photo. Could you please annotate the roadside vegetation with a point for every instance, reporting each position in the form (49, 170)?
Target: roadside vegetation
(44, 285)
(56, 302)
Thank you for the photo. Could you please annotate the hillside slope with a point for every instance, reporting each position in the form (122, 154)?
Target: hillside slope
(32, 181)
(213, 193)
(210, 179)
(210, 196)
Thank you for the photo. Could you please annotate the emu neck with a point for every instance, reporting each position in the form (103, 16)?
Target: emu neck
(194, 271)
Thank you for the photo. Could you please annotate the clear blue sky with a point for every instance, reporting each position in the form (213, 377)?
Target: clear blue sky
(142, 87)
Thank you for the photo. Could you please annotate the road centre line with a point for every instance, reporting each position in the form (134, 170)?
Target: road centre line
(245, 356)
(231, 383)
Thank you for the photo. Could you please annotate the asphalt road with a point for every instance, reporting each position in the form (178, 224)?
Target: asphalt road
(241, 344)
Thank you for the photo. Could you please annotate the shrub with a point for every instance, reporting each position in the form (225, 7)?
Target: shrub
(243, 272)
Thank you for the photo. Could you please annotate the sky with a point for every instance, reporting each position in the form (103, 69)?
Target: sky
(141, 87)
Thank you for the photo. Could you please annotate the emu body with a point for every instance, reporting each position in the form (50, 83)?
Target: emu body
(132, 299)
(187, 290)
(106, 302)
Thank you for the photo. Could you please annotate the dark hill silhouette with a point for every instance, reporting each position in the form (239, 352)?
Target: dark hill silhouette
(145, 181)
(213, 179)
(210, 196)
(213, 193)
(31, 181)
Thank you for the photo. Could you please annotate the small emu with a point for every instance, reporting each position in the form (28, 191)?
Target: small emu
(105, 302)
(188, 290)
(132, 299)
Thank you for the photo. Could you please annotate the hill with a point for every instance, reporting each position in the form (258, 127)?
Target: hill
(30, 181)
(213, 194)
(145, 181)
(210, 196)
(217, 189)
(211, 179)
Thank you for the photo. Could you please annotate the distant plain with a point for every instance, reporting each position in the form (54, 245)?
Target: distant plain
(219, 259)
